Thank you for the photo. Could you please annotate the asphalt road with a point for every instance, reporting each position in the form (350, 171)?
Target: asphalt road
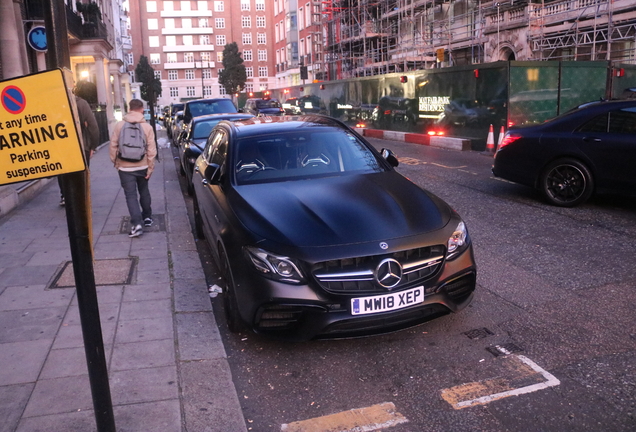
(548, 343)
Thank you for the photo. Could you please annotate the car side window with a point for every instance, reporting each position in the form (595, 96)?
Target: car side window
(597, 124)
(220, 148)
(623, 121)
(213, 143)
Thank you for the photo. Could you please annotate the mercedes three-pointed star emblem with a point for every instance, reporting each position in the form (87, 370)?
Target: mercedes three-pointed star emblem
(388, 273)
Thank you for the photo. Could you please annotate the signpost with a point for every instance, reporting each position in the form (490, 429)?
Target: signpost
(38, 138)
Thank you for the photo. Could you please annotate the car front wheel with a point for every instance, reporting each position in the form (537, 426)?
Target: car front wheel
(230, 304)
(567, 183)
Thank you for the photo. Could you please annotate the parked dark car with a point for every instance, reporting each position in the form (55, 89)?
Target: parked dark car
(316, 234)
(199, 107)
(587, 150)
(193, 139)
(172, 112)
(263, 107)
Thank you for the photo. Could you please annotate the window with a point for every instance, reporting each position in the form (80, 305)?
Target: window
(171, 41)
(158, 74)
(207, 73)
(174, 91)
(218, 6)
(185, 5)
(308, 20)
(261, 38)
(247, 55)
(202, 5)
(246, 21)
(203, 23)
(222, 91)
(187, 40)
(260, 21)
(168, 6)
(262, 55)
(173, 75)
(220, 40)
(204, 39)
(188, 57)
(249, 71)
(153, 24)
(130, 59)
(189, 74)
(151, 6)
(172, 57)
(207, 90)
(190, 91)
(219, 56)
(262, 71)
(219, 71)
(186, 23)
(260, 5)
(219, 23)
(276, 33)
(168, 23)
(249, 87)
(153, 41)
(155, 58)
(245, 5)
(301, 19)
(205, 56)
(132, 76)
(247, 38)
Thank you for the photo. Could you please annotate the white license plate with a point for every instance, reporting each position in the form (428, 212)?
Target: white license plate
(387, 302)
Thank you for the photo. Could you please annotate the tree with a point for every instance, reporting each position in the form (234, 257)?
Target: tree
(150, 86)
(233, 75)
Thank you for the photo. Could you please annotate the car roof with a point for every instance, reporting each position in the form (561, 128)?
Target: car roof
(222, 116)
(281, 124)
(207, 100)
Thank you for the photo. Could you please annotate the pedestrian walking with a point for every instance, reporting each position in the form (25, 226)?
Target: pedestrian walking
(133, 150)
(90, 135)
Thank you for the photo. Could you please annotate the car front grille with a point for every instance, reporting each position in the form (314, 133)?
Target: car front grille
(357, 275)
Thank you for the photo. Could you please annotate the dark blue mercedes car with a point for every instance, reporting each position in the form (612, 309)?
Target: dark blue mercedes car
(317, 235)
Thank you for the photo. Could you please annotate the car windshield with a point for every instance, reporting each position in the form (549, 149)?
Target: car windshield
(202, 129)
(301, 155)
(270, 103)
(200, 108)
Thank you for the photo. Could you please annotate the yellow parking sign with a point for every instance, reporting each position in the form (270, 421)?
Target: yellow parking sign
(38, 132)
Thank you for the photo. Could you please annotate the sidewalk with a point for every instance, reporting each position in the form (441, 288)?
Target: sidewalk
(168, 369)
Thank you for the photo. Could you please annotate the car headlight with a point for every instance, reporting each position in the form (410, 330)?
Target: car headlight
(274, 266)
(458, 241)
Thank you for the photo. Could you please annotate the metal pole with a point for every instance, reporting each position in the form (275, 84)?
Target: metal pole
(78, 211)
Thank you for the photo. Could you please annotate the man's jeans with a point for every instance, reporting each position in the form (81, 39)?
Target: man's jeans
(132, 181)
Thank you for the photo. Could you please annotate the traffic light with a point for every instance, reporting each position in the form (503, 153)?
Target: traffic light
(303, 73)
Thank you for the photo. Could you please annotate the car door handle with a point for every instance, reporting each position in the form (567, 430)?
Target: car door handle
(591, 139)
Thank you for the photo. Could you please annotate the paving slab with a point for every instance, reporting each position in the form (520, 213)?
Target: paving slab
(13, 399)
(22, 361)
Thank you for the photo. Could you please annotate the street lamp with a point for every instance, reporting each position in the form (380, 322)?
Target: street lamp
(202, 86)
(498, 20)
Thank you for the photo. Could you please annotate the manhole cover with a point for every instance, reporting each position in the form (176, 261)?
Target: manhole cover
(107, 272)
(479, 333)
(158, 224)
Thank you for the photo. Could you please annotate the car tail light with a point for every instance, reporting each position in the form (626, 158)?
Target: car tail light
(436, 133)
(507, 139)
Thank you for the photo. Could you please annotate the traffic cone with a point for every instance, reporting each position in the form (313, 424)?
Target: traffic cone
(490, 143)
(501, 135)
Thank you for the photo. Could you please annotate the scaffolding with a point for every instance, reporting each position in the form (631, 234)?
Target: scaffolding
(372, 37)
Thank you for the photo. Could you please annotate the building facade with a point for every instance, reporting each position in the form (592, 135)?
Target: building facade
(184, 42)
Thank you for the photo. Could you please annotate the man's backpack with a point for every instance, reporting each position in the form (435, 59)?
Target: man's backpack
(132, 142)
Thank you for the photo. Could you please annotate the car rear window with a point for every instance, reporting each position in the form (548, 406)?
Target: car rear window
(301, 155)
(200, 108)
(272, 103)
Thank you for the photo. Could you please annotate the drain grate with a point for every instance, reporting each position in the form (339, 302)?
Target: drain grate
(158, 224)
(504, 349)
(107, 272)
(479, 333)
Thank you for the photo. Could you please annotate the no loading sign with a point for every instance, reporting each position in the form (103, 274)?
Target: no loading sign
(13, 99)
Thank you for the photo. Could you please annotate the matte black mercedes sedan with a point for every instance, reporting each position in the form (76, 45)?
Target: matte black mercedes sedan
(590, 149)
(316, 234)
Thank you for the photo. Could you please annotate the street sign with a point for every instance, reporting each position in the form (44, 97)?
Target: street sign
(37, 38)
(38, 132)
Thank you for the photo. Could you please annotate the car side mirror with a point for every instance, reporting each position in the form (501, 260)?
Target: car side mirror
(390, 157)
(213, 173)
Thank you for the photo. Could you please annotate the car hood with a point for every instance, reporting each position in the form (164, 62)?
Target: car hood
(339, 210)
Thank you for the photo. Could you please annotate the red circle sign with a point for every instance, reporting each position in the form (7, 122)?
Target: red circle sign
(13, 99)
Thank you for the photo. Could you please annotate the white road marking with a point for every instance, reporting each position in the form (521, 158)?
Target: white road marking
(454, 395)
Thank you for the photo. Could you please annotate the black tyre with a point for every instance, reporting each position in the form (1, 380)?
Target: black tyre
(566, 183)
(230, 304)
(181, 170)
(198, 221)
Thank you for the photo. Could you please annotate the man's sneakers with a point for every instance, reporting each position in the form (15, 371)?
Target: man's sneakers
(62, 201)
(148, 222)
(136, 231)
